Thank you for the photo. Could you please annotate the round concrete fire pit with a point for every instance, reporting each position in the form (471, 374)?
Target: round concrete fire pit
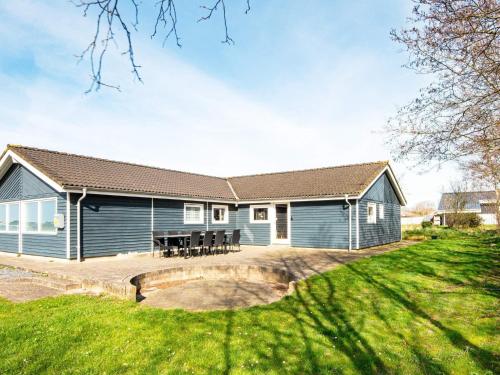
(212, 287)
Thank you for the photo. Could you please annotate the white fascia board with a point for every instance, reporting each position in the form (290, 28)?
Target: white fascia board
(139, 195)
(5, 163)
(394, 183)
(11, 157)
(271, 201)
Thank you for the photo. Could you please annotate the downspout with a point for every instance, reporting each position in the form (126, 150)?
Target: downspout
(78, 227)
(350, 224)
(206, 215)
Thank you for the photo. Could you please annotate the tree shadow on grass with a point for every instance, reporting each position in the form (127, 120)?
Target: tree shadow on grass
(483, 357)
(328, 318)
(305, 326)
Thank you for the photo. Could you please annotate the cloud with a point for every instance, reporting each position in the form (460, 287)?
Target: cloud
(183, 117)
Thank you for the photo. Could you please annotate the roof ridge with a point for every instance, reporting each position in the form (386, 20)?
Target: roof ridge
(383, 162)
(10, 146)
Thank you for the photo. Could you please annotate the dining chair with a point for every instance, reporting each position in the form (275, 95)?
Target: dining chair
(206, 246)
(219, 240)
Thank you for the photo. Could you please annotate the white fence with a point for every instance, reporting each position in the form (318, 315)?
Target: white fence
(488, 218)
(413, 220)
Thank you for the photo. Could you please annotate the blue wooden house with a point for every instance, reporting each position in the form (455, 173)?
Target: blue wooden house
(69, 206)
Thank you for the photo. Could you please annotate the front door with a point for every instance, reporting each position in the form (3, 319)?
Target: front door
(282, 223)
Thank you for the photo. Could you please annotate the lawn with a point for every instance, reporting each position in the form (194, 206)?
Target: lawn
(429, 308)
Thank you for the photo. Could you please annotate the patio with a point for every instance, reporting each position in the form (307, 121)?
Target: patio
(112, 275)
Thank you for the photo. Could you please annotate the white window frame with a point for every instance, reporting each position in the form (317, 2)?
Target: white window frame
(381, 211)
(252, 209)
(371, 219)
(39, 218)
(202, 214)
(7, 217)
(226, 216)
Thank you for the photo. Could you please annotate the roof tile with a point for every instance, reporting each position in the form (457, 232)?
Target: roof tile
(76, 171)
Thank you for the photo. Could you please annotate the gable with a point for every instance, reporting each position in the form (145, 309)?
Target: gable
(20, 183)
(11, 184)
(382, 191)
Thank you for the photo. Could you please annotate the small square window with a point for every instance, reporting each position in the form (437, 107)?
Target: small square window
(193, 213)
(371, 215)
(220, 214)
(259, 214)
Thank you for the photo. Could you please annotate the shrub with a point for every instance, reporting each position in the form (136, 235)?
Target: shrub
(463, 220)
(426, 224)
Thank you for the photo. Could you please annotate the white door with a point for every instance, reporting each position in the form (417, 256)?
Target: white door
(281, 226)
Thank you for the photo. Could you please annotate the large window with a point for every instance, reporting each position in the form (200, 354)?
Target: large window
(3, 217)
(193, 213)
(220, 214)
(38, 216)
(259, 214)
(9, 217)
(371, 215)
(13, 217)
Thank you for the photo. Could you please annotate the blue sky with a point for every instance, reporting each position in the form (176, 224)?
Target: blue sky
(304, 86)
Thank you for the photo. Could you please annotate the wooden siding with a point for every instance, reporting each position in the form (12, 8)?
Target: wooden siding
(112, 225)
(73, 224)
(385, 230)
(322, 224)
(252, 233)
(11, 184)
(20, 184)
(9, 242)
(169, 215)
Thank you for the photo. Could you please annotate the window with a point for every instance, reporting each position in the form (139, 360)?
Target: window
(259, 214)
(193, 213)
(371, 215)
(38, 216)
(3, 217)
(30, 210)
(220, 214)
(9, 217)
(381, 211)
(13, 217)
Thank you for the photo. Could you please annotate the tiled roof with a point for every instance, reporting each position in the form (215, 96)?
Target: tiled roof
(470, 199)
(320, 182)
(75, 172)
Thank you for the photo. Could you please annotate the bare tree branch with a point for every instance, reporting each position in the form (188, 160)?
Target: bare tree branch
(111, 21)
(457, 42)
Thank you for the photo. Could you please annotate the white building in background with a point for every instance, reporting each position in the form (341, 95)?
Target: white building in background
(479, 202)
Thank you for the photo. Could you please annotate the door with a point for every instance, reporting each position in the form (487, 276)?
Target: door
(281, 223)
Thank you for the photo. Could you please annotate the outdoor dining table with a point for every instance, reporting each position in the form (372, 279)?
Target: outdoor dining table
(182, 236)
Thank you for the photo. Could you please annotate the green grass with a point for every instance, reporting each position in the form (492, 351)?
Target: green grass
(429, 308)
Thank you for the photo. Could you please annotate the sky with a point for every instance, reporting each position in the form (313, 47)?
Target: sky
(304, 86)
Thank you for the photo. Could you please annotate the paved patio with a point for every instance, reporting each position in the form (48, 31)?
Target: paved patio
(112, 274)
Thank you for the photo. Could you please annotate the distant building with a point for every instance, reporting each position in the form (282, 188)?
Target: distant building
(479, 202)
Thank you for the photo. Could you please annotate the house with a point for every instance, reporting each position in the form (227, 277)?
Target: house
(69, 206)
(480, 202)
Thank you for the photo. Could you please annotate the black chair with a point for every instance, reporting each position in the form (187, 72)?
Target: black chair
(193, 243)
(234, 240)
(219, 240)
(206, 246)
(159, 242)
